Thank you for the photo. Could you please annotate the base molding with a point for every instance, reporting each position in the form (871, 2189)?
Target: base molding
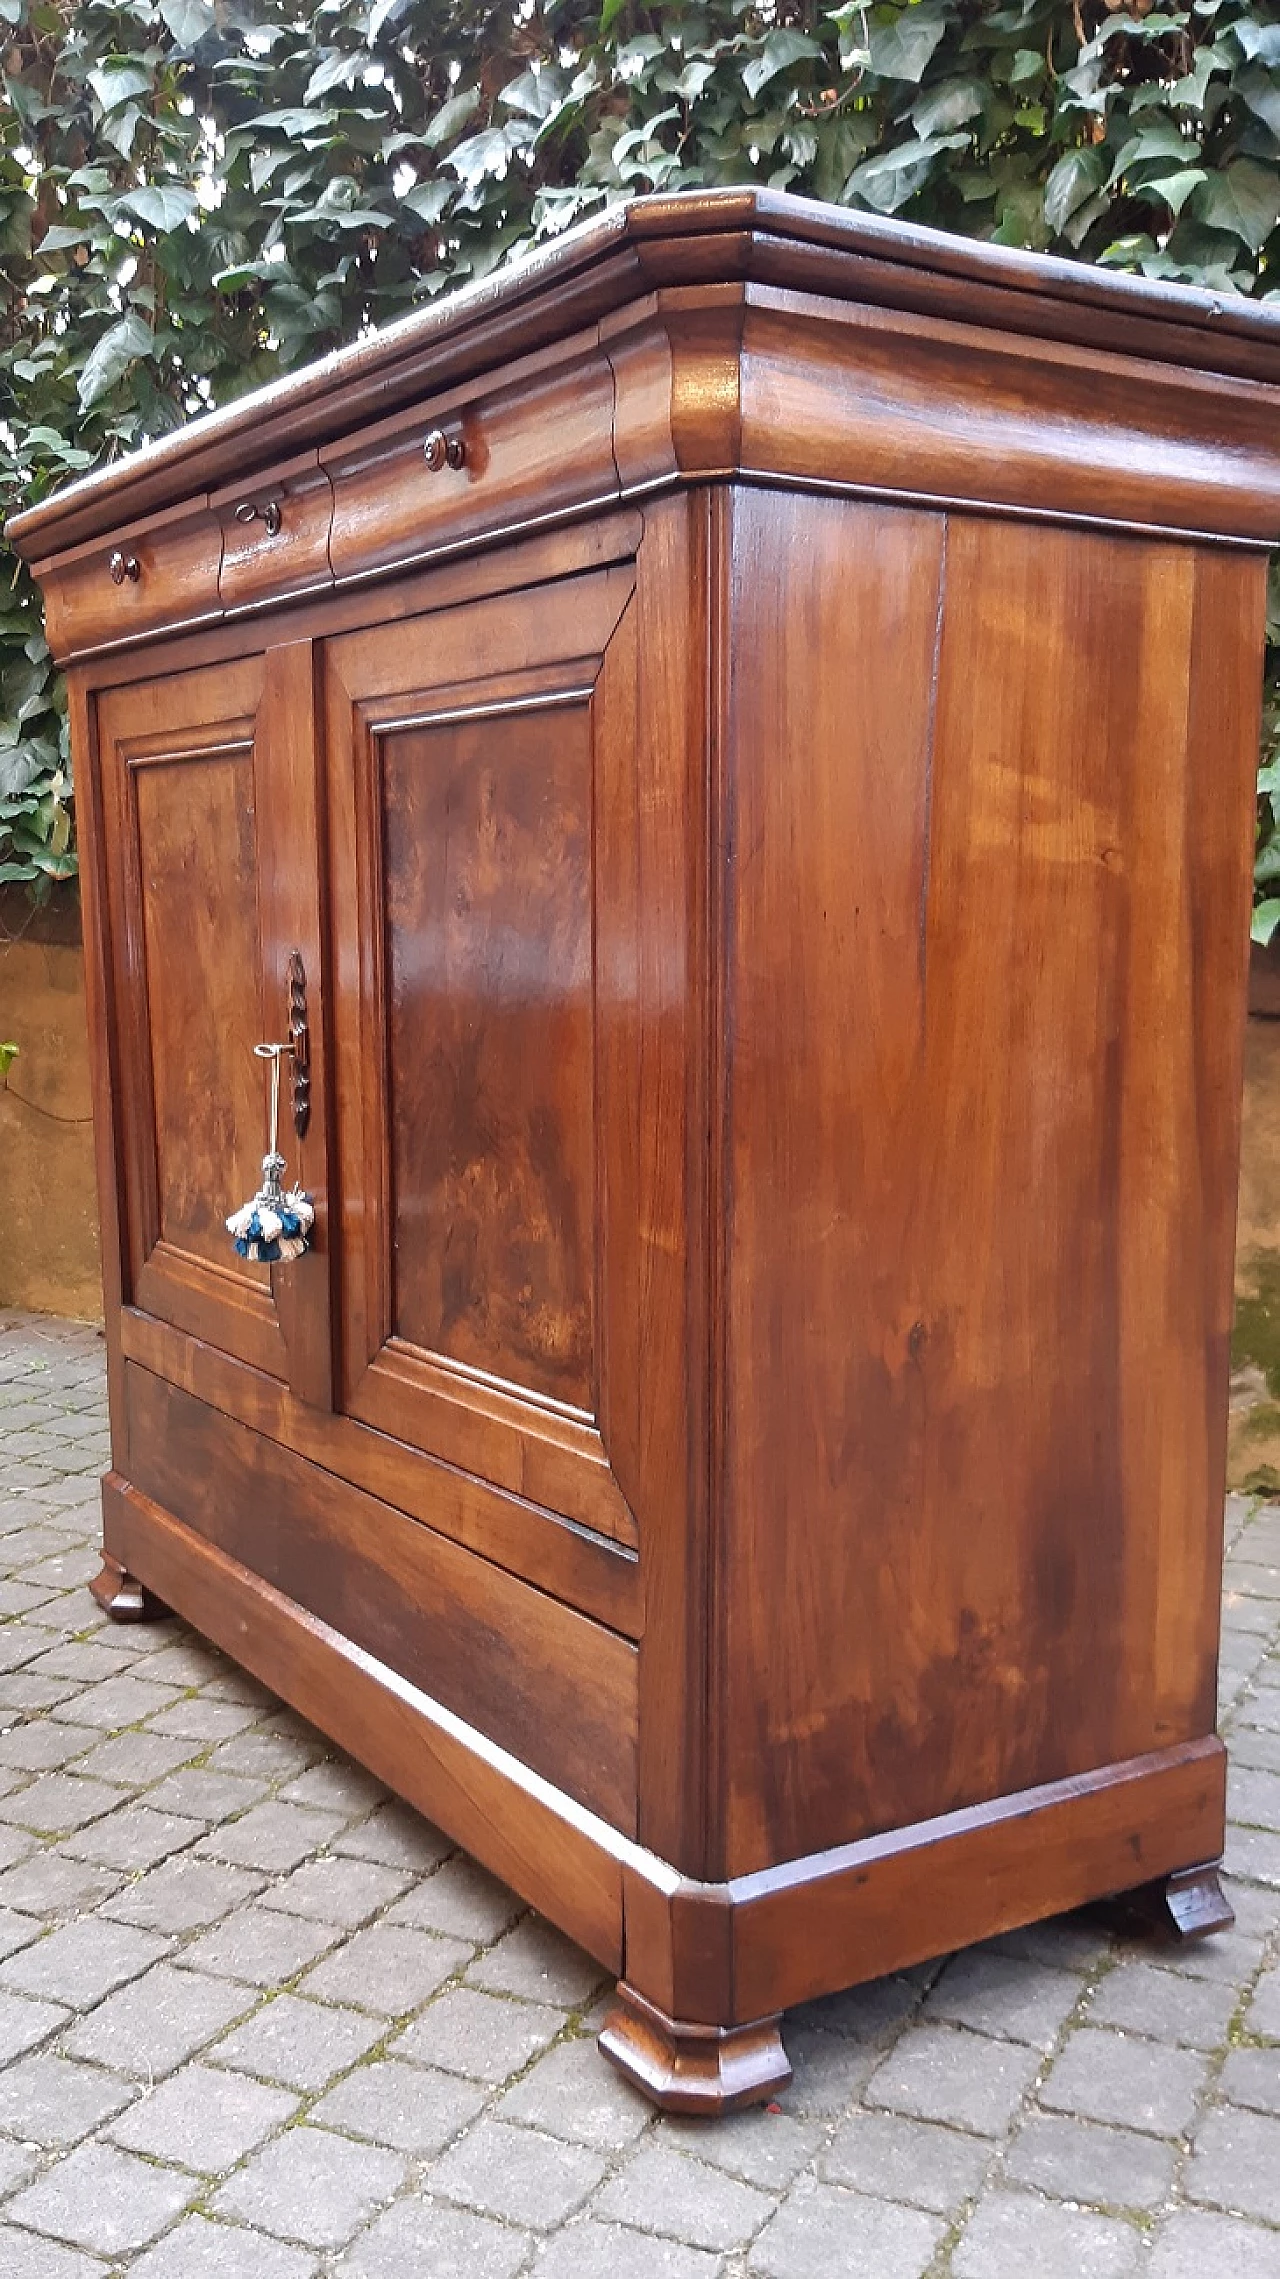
(687, 2068)
(706, 1968)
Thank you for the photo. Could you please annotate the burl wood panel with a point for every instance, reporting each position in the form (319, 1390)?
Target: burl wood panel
(487, 865)
(977, 1235)
(198, 873)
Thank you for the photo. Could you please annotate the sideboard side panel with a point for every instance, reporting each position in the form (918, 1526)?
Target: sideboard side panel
(984, 955)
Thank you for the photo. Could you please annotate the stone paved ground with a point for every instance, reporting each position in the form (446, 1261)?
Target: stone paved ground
(259, 2022)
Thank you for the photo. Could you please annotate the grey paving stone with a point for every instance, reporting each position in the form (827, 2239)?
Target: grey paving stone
(874, 2013)
(1004, 1995)
(336, 1785)
(200, 1719)
(588, 2250)
(1253, 1854)
(303, 2045)
(187, 1660)
(420, 2240)
(1261, 1750)
(386, 1969)
(941, 2073)
(517, 2174)
(23, 2256)
(120, 1701)
(82, 1961)
(830, 2071)
(821, 2232)
(1011, 2232)
(1062, 1942)
(48, 2100)
(661, 2190)
(573, 2092)
(312, 2186)
(341, 1891)
(1105, 2076)
(59, 1803)
(461, 1899)
(260, 1755)
(133, 1837)
(761, 2146)
(482, 2035)
(199, 1794)
(199, 2249)
(51, 1884)
(44, 1747)
(396, 1837)
(16, 1931)
(1235, 2163)
(405, 2106)
(105, 2200)
(260, 1946)
(1252, 2077)
(1195, 2246)
(1253, 1797)
(24, 2023)
(151, 2026)
(184, 1894)
(18, 2163)
(84, 1662)
(537, 1962)
(1164, 2004)
(1263, 2015)
(203, 2118)
(1081, 2160)
(893, 2158)
(272, 1836)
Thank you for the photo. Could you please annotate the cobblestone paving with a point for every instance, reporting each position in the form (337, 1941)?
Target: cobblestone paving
(259, 2022)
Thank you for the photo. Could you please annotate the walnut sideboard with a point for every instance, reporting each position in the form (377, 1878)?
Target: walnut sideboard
(729, 750)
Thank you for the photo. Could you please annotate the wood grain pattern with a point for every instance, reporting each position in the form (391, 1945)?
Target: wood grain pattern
(260, 565)
(487, 871)
(177, 555)
(540, 1680)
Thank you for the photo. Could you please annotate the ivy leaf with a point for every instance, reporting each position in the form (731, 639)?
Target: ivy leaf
(948, 105)
(187, 20)
(1074, 179)
(888, 180)
(1258, 88)
(338, 70)
(781, 49)
(1175, 189)
(903, 49)
(118, 80)
(163, 209)
(1266, 918)
(1243, 198)
(110, 357)
(489, 152)
(450, 117)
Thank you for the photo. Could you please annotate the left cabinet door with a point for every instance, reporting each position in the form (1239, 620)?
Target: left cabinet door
(211, 845)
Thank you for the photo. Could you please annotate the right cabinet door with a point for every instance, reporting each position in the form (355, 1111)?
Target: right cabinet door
(487, 1025)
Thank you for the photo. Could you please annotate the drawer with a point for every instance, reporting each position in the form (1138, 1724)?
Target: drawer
(275, 534)
(144, 579)
(470, 464)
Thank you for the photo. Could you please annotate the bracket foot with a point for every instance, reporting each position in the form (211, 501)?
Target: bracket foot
(122, 1596)
(684, 2068)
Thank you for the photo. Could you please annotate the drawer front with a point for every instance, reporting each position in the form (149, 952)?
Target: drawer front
(159, 574)
(275, 535)
(465, 466)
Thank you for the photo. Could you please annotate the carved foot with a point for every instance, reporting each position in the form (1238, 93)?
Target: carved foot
(694, 2069)
(122, 1596)
(1186, 1906)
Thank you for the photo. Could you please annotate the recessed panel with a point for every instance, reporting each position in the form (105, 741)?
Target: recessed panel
(487, 875)
(197, 852)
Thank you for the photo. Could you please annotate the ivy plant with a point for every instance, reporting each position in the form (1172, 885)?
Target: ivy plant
(195, 194)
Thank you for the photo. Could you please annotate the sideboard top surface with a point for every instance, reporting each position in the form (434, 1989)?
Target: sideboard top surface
(729, 248)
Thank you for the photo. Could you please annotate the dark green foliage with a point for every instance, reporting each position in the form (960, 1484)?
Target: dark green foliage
(197, 193)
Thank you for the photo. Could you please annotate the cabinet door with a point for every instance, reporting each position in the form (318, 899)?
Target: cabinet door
(209, 803)
(481, 986)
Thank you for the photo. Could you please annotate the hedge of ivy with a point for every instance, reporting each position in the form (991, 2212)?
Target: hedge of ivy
(195, 194)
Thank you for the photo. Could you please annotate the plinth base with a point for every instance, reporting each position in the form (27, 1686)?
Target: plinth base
(685, 2068)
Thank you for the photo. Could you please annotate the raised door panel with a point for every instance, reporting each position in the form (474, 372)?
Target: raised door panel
(209, 802)
(477, 1102)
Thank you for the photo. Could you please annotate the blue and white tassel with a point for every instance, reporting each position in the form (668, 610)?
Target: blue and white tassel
(274, 1226)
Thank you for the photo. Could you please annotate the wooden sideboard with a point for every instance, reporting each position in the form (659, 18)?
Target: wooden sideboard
(735, 740)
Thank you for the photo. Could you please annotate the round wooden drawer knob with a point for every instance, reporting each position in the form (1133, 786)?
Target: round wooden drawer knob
(441, 450)
(124, 566)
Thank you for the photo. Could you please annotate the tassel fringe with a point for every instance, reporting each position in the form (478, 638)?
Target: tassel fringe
(273, 1231)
